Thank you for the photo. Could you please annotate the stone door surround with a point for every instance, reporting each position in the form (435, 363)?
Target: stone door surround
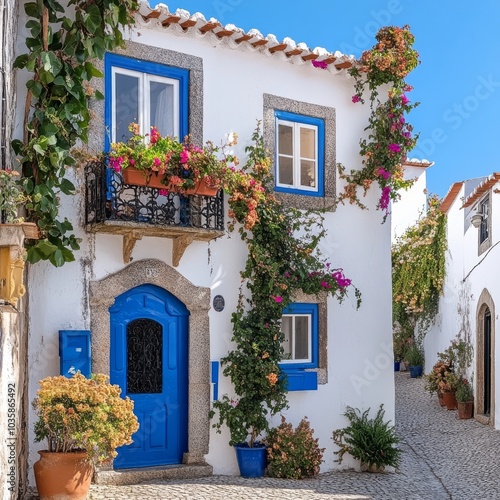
(197, 299)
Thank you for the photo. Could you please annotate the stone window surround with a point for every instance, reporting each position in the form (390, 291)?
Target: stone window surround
(102, 295)
(485, 302)
(482, 247)
(272, 103)
(160, 56)
(322, 300)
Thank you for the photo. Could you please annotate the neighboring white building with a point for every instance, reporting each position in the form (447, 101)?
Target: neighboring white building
(413, 202)
(472, 287)
(220, 80)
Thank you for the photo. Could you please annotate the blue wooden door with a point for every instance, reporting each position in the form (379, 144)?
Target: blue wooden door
(148, 360)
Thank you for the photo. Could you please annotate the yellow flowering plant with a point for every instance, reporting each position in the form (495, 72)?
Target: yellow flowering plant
(78, 413)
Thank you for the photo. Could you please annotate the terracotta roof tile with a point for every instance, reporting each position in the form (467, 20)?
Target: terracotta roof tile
(450, 197)
(297, 53)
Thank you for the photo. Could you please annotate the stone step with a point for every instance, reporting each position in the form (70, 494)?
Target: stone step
(135, 476)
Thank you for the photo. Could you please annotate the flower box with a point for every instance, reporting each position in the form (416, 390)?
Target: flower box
(135, 177)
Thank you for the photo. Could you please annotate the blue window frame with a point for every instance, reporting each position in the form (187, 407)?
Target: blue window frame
(146, 93)
(300, 154)
(299, 325)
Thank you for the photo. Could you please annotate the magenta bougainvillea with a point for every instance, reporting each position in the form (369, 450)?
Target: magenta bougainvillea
(390, 136)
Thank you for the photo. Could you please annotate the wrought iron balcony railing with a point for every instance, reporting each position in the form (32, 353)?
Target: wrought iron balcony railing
(115, 207)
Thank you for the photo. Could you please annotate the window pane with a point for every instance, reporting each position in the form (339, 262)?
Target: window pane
(144, 357)
(127, 105)
(308, 143)
(161, 102)
(307, 173)
(285, 170)
(301, 337)
(285, 138)
(286, 328)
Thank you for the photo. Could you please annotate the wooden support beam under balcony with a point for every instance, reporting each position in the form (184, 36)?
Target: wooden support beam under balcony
(132, 232)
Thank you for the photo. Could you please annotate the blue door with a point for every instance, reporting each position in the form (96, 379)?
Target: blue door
(148, 348)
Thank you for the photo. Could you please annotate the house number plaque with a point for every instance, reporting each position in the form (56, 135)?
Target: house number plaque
(219, 303)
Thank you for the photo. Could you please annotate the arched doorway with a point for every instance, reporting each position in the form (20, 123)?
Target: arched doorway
(148, 360)
(102, 295)
(485, 360)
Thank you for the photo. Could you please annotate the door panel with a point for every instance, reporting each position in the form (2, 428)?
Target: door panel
(149, 337)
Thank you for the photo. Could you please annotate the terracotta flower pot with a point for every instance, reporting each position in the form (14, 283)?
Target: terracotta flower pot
(441, 399)
(450, 400)
(465, 410)
(63, 476)
(136, 177)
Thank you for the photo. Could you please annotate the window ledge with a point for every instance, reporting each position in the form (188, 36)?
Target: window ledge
(301, 380)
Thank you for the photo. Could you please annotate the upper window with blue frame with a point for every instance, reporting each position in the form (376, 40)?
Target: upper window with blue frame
(146, 93)
(299, 161)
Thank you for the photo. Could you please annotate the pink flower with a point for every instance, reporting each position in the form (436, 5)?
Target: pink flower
(324, 284)
(320, 64)
(356, 98)
(116, 163)
(185, 155)
(385, 198)
(404, 100)
(341, 280)
(162, 192)
(384, 173)
(394, 148)
(155, 135)
(278, 299)
(131, 162)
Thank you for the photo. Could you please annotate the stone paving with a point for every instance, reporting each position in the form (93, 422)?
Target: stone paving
(444, 458)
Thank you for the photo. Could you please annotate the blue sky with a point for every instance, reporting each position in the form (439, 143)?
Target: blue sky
(457, 83)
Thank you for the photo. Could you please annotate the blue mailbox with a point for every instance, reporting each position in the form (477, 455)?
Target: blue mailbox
(74, 352)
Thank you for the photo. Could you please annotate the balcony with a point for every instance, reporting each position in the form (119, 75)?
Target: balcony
(114, 207)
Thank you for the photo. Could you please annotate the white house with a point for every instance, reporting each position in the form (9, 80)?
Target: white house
(218, 80)
(413, 201)
(472, 287)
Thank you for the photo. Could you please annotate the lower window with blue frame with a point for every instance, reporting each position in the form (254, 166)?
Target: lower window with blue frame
(299, 325)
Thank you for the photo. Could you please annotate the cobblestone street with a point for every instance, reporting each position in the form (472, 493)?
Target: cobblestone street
(444, 458)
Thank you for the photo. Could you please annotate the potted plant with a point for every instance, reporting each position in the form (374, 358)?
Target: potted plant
(435, 376)
(448, 387)
(84, 421)
(165, 163)
(415, 358)
(293, 453)
(465, 399)
(370, 440)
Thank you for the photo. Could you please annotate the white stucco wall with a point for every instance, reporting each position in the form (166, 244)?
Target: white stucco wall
(411, 206)
(360, 360)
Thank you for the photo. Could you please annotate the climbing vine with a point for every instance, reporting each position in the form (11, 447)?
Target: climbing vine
(418, 271)
(390, 136)
(56, 112)
(282, 259)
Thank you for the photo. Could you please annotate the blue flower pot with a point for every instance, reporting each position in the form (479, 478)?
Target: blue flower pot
(415, 371)
(251, 461)
(396, 366)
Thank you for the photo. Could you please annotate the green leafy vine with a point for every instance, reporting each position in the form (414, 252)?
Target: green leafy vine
(282, 260)
(418, 272)
(56, 113)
